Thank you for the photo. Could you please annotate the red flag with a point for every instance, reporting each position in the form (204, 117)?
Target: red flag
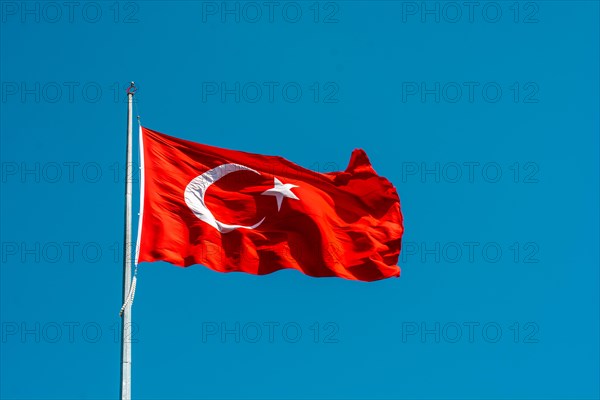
(236, 211)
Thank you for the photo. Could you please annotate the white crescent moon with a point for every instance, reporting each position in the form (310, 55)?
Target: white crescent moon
(196, 189)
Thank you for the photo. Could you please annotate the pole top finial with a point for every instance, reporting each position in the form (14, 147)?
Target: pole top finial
(132, 88)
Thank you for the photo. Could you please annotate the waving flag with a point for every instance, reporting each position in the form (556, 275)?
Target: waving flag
(236, 211)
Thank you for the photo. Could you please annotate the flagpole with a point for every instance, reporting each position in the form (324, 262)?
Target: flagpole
(126, 322)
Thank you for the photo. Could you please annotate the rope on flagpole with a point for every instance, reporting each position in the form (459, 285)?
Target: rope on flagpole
(131, 294)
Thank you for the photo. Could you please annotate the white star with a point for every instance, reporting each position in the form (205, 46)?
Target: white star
(280, 191)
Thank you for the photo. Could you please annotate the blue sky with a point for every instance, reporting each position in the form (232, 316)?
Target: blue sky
(485, 118)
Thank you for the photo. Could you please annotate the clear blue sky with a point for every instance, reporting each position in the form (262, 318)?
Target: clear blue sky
(484, 117)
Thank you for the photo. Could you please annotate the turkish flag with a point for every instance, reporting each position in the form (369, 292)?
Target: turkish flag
(236, 211)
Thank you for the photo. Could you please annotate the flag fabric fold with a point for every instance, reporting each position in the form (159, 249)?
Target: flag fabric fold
(236, 211)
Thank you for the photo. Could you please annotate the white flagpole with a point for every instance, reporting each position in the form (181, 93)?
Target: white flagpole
(126, 322)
